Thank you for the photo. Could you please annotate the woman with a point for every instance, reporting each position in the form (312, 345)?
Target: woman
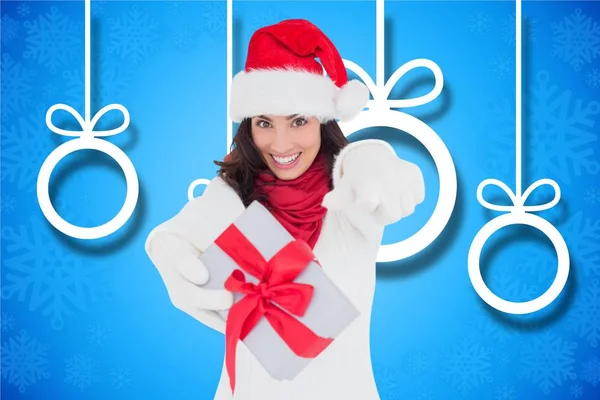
(290, 154)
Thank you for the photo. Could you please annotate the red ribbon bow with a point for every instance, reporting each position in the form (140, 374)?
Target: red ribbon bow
(276, 285)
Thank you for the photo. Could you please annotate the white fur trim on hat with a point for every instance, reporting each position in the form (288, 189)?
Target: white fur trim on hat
(286, 92)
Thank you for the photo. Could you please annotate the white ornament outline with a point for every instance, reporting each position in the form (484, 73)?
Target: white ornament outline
(377, 114)
(87, 139)
(518, 213)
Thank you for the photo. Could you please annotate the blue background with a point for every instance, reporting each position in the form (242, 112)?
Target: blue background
(92, 319)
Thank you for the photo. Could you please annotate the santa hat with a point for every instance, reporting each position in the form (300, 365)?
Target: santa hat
(282, 77)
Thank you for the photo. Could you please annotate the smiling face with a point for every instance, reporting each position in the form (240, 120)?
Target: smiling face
(289, 144)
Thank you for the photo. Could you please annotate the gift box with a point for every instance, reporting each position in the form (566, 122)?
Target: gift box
(287, 310)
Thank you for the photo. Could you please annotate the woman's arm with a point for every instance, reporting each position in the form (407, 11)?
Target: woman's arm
(174, 247)
(373, 186)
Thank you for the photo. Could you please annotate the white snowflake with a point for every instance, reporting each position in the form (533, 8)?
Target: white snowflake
(559, 136)
(9, 29)
(134, 36)
(585, 319)
(415, 363)
(7, 322)
(98, 334)
(592, 196)
(53, 39)
(592, 78)
(576, 39)
(528, 30)
(185, 38)
(479, 23)
(547, 361)
(17, 85)
(24, 361)
(214, 18)
(467, 365)
(7, 204)
(81, 371)
(502, 66)
(120, 377)
(46, 276)
(590, 371)
(388, 381)
(23, 10)
(576, 391)
(505, 359)
(505, 392)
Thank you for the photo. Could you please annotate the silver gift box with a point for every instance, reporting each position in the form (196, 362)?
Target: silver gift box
(328, 314)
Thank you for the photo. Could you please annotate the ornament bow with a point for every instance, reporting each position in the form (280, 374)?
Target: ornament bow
(517, 199)
(87, 125)
(276, 296)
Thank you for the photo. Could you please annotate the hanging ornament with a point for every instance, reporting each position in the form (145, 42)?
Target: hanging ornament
(87, 139)
(518, 213)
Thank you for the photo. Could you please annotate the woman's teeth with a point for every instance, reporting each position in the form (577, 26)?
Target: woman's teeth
(285, 160)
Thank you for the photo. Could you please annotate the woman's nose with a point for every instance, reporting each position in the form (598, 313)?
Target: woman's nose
(282, 143)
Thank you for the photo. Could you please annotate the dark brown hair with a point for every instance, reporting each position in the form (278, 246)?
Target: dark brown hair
(241, 167)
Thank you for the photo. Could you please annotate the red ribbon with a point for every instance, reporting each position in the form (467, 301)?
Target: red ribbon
(276, 285)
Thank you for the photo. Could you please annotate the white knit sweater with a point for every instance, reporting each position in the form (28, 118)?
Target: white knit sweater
(347, 249)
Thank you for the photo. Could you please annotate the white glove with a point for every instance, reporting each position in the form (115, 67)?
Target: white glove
(183, 274)
(369, 176)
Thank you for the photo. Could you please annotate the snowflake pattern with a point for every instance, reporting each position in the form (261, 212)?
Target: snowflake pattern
(560, 137)
(48, 277)
(479, 23)
(24, 361)
(502, 66)
(53, 40)
(592, 78)
(175, 6)
(505, 392)
(7, 204)
(592, 196)
(23, 10)
(98, 334)
(185, 38)
(17, 85)
(467, 365)
(9, 29)
(576, 391)
(547, 361)
(584, 242)
(585, 319)
(98, 8)
(7, 322)
(424, 393)
(415, 363)
(81, 371)
(528, 30)
(388, 381)
(590, 371)
(576, 39)
(134, 36)
(214, 18)
(25, 145)
(120, 377)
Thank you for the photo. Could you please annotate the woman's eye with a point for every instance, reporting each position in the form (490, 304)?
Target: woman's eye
(299, 121)
(263, 124)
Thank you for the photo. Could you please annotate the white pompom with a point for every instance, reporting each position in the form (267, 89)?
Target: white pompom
(353, 97)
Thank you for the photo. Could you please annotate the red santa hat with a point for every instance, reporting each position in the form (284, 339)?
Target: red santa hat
(282, 77)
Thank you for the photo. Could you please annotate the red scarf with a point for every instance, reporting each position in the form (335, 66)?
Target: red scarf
(296, 203)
